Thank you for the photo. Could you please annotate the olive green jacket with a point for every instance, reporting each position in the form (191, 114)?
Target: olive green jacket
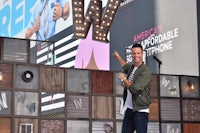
(140, 89)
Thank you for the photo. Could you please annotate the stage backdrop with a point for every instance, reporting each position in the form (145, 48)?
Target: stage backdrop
(166, 29)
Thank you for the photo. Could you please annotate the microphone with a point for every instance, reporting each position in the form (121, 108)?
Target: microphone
(159, 62)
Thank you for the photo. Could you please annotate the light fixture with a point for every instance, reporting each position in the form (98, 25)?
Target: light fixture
(190, 85)
(1, 75)
(27, 76)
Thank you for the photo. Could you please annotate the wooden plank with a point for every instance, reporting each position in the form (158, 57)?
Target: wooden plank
(154, 111)
(77, 106)
(5, 125)
(15, 50)
(170, 109)
(52, 78)
(102, 107)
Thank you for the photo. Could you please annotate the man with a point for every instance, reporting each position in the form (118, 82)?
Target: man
(136, 95)
(44, 18)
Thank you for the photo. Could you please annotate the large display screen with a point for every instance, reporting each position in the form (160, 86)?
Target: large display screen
(166, 29)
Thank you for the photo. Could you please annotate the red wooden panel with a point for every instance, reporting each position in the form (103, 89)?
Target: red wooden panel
(191, 128)
(154, 111)
(102, 82)
(5, 125)
(7, 71)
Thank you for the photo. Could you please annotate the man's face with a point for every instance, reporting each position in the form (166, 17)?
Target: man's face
(137, 55)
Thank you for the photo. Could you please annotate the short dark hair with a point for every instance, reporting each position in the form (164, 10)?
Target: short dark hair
(137, 45)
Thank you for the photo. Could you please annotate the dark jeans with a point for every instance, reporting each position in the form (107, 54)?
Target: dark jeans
(135, 121)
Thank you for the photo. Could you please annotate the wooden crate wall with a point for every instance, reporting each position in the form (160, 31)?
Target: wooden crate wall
(73, 100)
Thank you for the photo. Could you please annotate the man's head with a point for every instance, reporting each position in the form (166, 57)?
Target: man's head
(137, 54)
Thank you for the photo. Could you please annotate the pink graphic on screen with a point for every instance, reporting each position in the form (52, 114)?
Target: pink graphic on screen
(92, 54)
